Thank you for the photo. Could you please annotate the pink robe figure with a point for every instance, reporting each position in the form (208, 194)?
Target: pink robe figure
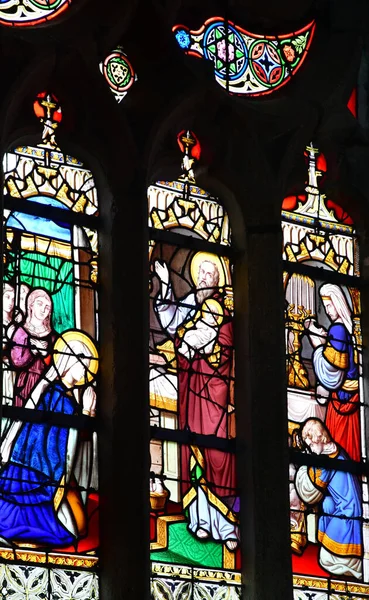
(27, 356)
(32, 366)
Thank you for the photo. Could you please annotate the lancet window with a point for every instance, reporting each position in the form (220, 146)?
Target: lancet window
(326, 404)
(49, 479)
(194, 500)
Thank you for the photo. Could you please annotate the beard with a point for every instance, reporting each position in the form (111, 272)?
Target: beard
(203, 293)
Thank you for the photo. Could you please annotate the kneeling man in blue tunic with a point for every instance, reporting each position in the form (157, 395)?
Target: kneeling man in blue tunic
(338, 495)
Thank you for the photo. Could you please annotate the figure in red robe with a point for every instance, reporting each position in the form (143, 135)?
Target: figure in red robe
(201, 326)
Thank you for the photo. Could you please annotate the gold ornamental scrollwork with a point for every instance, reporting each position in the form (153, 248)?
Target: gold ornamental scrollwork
(296, 372)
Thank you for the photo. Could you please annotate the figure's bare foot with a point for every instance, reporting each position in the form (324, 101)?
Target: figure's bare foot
(232, 545)
(202, 534)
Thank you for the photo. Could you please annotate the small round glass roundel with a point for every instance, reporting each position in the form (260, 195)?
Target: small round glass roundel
(28, 13)
(118, 72)
(183, 38)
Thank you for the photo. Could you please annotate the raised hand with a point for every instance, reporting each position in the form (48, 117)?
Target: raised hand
(317, 335)
(89, 401)
(162, 272)
(39, 343)
(308, 323)
(38, 346)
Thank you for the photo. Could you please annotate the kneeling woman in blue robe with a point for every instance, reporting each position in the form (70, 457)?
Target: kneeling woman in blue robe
(32, 482)
(339, 493)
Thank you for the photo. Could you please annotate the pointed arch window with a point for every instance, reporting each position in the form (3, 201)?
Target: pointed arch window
(193, 490)
(326, 420)
(48, 479)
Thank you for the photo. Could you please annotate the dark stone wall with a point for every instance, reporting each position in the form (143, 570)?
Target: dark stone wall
(252, 157)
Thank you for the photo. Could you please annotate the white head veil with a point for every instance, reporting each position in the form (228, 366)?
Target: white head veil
(7, 287)
(73, 352)
(339, 302)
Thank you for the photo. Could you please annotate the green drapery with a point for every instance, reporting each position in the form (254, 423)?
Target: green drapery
(55, 275)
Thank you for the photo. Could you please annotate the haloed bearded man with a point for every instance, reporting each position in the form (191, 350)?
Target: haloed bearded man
(204, 378)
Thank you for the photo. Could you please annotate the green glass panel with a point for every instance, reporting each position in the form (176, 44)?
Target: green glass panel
(184, 548)
(55, 275)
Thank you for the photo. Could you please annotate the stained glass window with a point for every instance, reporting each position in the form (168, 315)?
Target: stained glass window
(194, 500)
(118, 73)
(326, 404)
(28, 13)
(48, 478)
(244, 62)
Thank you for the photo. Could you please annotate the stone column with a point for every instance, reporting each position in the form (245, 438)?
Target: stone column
(262, 416)
(124, 435)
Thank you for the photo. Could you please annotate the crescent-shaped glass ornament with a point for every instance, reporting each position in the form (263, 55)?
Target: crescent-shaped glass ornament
(28, 13)
(245, 63)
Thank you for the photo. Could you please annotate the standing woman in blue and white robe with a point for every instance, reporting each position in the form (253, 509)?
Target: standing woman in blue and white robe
(336, 370)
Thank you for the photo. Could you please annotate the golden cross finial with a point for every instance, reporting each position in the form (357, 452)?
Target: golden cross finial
(47, 109)
(188, 141)
(48, 103)
(312, 149)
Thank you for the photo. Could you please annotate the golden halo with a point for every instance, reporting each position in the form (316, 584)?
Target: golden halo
(213, 306)
(61, 346)
(200, 257)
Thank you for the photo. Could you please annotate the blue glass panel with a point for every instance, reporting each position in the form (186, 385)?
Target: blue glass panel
(40, 226)
(48, 201)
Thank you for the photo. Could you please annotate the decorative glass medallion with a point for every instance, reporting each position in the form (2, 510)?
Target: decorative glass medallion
(246, 63)
(227, 49)
(266, 63)
(118, 73)
(28, 13)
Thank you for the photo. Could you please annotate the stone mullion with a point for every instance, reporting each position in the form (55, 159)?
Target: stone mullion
(262, 417)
